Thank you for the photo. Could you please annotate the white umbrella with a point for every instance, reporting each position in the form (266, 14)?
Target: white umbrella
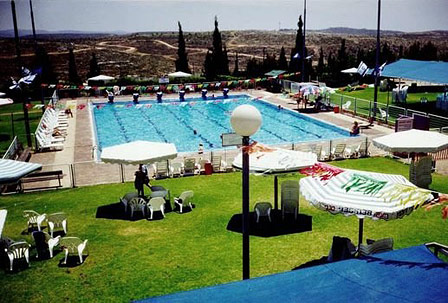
(179, 75)
(352, 70)
(276, 160)
(12, 171)
(412, 141)
(101, 78)
(5, 101)
(3, 213)
(363, 194)
(139, 152)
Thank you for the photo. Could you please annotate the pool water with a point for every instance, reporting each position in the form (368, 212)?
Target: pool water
(194, 121)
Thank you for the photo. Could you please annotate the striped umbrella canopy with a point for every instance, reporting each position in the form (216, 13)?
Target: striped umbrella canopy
(139, 152)
(11, 171)
(3, 213)
(363, 194)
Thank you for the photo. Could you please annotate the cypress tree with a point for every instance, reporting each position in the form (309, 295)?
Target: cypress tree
(296, 63)
(94, 67)
(72, 70)
(182, 60)
(320, 63)
(282, 62)
(218, 58)
(226, 62)
(44, 66)
(236, 71)
(209, 67)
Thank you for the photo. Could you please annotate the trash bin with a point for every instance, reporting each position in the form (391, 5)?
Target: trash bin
(208, 168)
(336, 109)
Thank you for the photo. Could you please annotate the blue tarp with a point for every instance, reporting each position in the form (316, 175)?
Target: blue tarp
(407, 275)
(427, 71)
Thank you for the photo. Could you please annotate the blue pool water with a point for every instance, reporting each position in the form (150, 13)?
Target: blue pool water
(175, 122)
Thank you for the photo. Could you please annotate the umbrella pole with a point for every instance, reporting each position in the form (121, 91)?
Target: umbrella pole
(275, 192)
(361, 229)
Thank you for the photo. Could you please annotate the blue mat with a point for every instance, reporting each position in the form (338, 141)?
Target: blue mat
(412, 274)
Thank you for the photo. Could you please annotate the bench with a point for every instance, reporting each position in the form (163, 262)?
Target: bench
(41, 177)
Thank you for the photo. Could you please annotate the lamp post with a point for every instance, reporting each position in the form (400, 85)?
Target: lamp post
(246, 120)
(377, 62)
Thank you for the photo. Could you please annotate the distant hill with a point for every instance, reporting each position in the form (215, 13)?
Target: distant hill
(356, 31)
(26, 33)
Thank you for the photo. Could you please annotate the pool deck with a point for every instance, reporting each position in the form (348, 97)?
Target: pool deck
(77, 157)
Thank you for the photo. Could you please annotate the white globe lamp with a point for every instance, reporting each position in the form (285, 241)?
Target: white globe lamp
(245, 120)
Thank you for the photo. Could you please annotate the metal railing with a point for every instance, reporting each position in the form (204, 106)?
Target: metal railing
(12, 149)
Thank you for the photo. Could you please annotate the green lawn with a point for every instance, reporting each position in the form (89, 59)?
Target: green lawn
(137, 259)
(6, 127)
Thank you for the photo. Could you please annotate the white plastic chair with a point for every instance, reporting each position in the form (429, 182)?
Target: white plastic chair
(126, 198)
(156, 204)
(137, 204)
(57, 220)
(263, 209)
(44, 239)
(290, 197)
(73, 245)
(346, 105)
(184, 200)
(34, 218)
(16, 251)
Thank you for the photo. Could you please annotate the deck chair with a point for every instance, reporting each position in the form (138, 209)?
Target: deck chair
(362, 150)
(202, 163)
(161, 170)
(17, 251)
(338, 152)
(126, 198)
(156, 204)
(34, 218)
(383, 113)
(346, 105)
(57, 220)
(73, 246)
(45, 243)
(184, 200)
(137, 204)
(218, 164)
(375, 247)
(176, 170)
(190, 167)
(290, 197)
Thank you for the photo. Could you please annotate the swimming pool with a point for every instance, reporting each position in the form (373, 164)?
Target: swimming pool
(194, 121)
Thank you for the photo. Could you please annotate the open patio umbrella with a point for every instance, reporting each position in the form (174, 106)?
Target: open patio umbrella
(360, 193)
(139, 152)
(267, 160)
(179, 75)
(5, 101)
(3, 213)
(412, 141)
(12, 171)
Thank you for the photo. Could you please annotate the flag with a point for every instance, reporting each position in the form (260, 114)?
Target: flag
(296, 56)
(362, 69)
(378, 70)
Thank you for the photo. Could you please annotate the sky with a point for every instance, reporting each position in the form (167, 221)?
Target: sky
(198, 15)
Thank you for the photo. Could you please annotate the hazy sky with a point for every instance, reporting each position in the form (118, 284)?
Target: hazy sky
(198, 15)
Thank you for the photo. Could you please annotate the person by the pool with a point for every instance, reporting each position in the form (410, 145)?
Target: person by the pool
(355, 129)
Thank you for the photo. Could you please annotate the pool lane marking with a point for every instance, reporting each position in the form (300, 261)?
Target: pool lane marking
(118, 118)
(189, 126)
(148, 119)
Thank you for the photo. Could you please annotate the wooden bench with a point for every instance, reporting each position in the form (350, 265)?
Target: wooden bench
(41, 177)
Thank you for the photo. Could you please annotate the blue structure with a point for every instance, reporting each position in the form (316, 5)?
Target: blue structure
(412, 274)
(427, 71)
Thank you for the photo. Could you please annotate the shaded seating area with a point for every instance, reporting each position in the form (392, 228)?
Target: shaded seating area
(290, 198)
(45, 244)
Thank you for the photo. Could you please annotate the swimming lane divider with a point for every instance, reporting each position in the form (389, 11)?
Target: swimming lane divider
(158, 131)
(189, 126)
(210, 118)
(120, 122)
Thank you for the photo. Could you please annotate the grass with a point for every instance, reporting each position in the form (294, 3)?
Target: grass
(131, 260)
(6, 128)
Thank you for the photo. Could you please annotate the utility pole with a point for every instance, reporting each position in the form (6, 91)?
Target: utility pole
(304, 48)
(19, 63)
(377, 59)
(34, 27)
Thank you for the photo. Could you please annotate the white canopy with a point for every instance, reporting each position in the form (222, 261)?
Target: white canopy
(412, 141)
(139, 152)
(352, 70)
(179, 75)
(279, 160)
(101, 78)
(11, 171)
(5, 101)
(3, 213)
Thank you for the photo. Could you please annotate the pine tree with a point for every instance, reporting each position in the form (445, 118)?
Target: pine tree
(44, 66)
(209, 67)
(295, 64)
(282, 62)
(320, 64)
(182, 60)
(413, 52)
(429, 52)
(225, 62)
(94, 67)
(236, 71)
(72, 70)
